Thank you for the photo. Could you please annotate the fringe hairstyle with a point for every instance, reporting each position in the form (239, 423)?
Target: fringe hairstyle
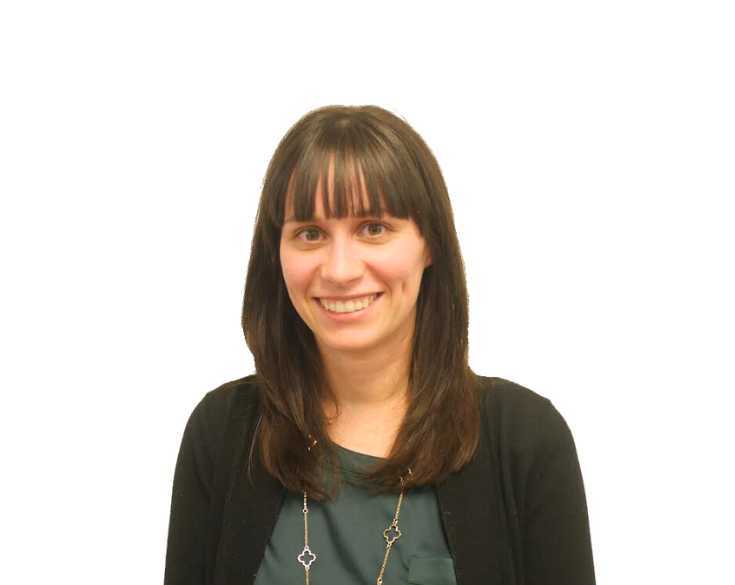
(440, 431)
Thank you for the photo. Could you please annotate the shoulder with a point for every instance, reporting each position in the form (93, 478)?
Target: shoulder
(520, 420)
(233, 399)
(503, 398)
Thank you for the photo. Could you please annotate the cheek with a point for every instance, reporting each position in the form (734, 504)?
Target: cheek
(404, 267)
(296, 271)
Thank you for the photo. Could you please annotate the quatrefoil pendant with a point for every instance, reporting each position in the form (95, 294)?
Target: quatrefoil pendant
(306, 557)
(392, 533)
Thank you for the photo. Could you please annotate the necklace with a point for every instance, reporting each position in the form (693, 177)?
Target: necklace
(390, 534)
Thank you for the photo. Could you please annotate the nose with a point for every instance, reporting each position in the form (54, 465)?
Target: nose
(342, 262)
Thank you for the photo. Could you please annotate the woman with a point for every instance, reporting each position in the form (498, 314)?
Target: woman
(364, 449)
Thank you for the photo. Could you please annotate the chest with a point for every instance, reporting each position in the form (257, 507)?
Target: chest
(346, 537)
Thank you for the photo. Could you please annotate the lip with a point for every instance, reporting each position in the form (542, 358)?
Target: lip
(348, 317)
(351, 297)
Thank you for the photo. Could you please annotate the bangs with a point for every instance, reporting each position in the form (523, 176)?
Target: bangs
(363, 177)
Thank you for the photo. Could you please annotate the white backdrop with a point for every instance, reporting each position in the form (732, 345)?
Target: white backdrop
(588, 149)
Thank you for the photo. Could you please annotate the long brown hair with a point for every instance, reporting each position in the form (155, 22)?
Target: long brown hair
(440, 431)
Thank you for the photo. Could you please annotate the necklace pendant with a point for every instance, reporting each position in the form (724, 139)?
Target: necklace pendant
(306, 557)
(392, 533)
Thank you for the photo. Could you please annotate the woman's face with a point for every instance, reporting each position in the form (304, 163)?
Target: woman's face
(353, 258)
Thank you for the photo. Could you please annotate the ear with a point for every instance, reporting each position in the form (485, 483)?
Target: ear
(427, 258)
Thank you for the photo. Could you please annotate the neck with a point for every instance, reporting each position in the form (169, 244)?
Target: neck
(370, 396)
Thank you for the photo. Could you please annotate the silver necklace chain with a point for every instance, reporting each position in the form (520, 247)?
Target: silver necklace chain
(391, 534)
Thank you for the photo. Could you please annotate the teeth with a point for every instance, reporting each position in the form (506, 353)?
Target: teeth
(347, 307)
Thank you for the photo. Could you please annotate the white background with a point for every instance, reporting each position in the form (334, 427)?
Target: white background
(588, 148)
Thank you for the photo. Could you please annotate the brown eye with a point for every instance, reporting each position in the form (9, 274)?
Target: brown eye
(374, 224)
(306, 231)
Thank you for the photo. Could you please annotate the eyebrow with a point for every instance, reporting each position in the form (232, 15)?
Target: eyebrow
(292, 218)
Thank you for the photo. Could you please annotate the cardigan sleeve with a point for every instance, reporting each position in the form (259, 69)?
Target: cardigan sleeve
(555, 525)
(186, 551)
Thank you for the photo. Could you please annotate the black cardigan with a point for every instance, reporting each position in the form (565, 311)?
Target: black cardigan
(515, 515)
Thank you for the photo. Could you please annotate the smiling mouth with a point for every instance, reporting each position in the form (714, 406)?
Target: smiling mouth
(350, 306)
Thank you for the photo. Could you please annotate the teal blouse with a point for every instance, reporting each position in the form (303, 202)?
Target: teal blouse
(346, 534)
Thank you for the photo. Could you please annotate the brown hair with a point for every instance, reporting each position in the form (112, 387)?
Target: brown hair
(440, 431)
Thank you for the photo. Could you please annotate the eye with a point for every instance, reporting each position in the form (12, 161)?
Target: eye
(306, 231)
(371, 233)
(380, 225)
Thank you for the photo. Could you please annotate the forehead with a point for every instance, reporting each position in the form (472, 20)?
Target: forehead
(359, 205)
(349, 198)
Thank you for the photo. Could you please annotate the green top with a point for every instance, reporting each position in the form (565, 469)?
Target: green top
(346, 534)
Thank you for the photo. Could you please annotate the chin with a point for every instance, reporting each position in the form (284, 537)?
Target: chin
(344, 343)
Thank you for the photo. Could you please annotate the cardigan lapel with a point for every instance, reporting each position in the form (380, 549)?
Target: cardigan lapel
(469, 502)
(250, 514)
